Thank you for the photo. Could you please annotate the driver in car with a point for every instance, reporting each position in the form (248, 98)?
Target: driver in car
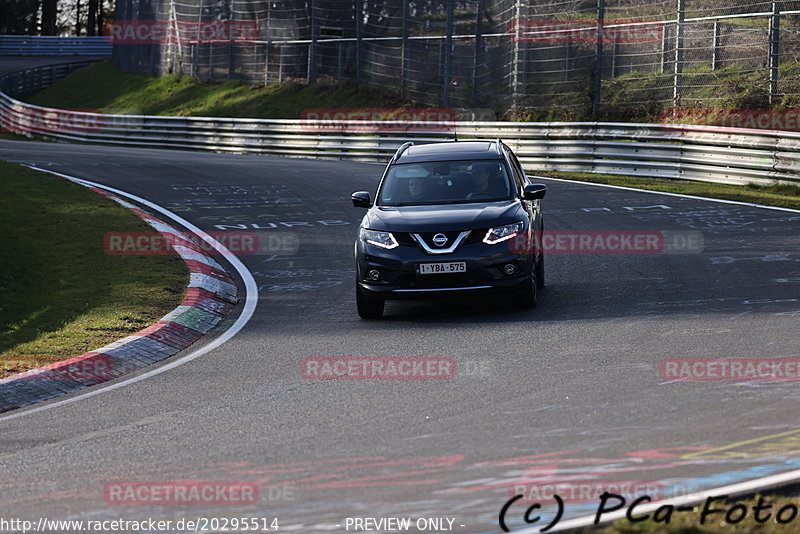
(416, 189)
(484, 186)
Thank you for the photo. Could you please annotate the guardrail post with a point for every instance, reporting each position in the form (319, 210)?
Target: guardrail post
(598, 59)
(774, 49)
(677, 80)
(717, 42)
(478, 57)
(448, 55)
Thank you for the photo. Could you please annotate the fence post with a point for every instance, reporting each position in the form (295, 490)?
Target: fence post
(405, 51)
(210, 70)
(774, 49)
(231, 60)
(677, 80)
(664, 48)
(340, 74)
(569, 58)
(312, 46)
(598, 60)
(515, 75)
(717, 42)
(478, 58)
(359, 36)
(614, 57)
(448, 54)
(195, 47)
(269, 43)
(281, 62)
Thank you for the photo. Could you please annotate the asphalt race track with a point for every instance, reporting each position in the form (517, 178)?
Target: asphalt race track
(570, 390)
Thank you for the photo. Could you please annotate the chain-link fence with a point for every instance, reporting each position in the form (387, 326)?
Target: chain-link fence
(549, 59)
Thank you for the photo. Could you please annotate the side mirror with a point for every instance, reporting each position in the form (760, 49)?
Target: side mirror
(534, 191)
(361, 199)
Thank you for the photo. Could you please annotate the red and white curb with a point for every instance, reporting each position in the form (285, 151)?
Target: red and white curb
(210, 295)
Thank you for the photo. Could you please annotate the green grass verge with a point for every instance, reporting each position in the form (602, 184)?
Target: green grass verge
(14, 137)
(786, 196)
(645, 96)
(689, 522)
(103, 86)
(60, 294)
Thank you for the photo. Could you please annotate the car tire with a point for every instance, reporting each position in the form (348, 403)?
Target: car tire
(528, 298)
(368, 308)
(540, 271)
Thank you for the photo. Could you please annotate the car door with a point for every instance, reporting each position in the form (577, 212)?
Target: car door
(532, 207)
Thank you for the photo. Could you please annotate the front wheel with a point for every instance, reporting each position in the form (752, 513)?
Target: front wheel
(528, 298)
(540, 271)
(368, 308)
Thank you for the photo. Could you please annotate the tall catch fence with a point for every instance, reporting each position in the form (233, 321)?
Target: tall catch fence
(549, 59)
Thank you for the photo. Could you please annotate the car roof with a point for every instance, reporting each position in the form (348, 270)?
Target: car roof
(450, 151)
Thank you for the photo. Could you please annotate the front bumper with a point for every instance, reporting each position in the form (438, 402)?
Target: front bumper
(399, 278)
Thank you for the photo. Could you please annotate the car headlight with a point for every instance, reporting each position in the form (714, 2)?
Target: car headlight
(379, 239)
(503, 233)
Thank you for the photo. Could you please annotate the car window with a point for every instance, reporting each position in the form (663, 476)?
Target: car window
(519, 174)
(445, 182)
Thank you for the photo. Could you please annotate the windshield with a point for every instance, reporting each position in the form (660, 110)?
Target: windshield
(445, 182)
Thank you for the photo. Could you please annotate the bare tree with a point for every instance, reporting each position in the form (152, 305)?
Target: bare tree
(49, 16)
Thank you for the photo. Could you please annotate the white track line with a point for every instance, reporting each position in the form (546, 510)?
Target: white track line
(720, 200)
(250, 302)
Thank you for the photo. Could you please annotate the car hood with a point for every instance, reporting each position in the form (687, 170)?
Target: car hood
(443, 218)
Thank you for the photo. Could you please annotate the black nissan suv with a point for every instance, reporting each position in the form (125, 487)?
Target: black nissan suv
(453, 218)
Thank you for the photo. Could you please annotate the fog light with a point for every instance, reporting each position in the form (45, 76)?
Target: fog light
(374, 275)
(509, 268)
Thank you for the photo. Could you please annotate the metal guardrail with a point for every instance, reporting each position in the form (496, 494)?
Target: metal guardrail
(703, 153)
(45, 45)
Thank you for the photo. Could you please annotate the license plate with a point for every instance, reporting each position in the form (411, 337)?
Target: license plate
(442, 268)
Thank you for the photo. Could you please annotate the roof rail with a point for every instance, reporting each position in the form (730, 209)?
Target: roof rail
(498, 146)
(400, 150)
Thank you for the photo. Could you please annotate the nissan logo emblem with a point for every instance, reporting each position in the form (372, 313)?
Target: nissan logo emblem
(440, 240)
